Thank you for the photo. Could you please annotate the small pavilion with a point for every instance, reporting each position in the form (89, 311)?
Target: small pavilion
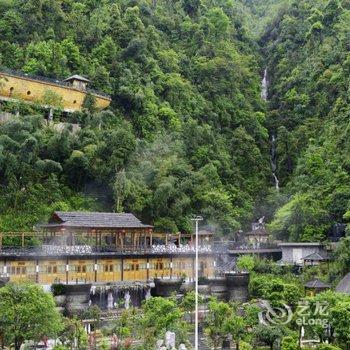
(315, 286)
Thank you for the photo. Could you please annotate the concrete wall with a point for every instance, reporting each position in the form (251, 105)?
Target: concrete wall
(31, 90)
(294, 254)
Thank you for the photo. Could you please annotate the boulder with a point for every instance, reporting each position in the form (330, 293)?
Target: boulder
(170, 339)
(159, 343)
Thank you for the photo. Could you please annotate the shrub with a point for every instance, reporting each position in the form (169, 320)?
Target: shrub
(327, 347)
(289, 343)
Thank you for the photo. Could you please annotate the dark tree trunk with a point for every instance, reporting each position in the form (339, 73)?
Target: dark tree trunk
(17, 344)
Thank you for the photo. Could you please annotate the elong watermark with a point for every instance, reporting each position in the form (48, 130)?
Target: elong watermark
(306, 314)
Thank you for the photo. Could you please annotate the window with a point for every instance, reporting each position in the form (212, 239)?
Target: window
(75, 101)
(108, 268)
(28, 92)
(11, 90)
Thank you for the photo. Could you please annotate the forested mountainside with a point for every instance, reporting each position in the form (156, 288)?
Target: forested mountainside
(188, 131)
(308, 61)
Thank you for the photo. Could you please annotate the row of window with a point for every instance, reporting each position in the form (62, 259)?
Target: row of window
(83, 268)
(29, 93)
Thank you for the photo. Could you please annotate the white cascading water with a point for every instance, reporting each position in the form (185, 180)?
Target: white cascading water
(127, 300)
(264, 84)
(110, 301)
(264, 96)
(274, 161)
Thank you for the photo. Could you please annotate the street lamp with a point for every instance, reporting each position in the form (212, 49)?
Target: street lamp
(196, 219)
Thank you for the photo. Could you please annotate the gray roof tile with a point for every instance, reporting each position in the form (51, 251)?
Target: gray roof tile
(95, 219)
(344, 285)
(316, 283)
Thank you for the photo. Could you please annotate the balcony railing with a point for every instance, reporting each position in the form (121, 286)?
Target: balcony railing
(57, 250)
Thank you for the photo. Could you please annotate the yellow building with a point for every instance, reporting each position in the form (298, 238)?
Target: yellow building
(68, 94)
(91, 247)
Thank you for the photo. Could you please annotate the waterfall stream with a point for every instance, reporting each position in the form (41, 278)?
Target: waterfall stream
(264, 84)
(274, 161)
(273, 153)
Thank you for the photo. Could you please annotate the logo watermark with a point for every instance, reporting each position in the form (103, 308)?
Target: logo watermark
(275, 315)
(305, 314)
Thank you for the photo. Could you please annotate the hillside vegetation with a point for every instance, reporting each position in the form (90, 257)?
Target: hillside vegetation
(187, 131)
(307, 52)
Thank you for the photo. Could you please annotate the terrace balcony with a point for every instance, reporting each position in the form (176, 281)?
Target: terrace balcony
(83, 250)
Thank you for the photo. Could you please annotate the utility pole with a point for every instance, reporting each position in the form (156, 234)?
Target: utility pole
(196, 219)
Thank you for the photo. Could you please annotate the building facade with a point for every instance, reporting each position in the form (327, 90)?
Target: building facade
(81, 247)
(294, 253)
(69, 94)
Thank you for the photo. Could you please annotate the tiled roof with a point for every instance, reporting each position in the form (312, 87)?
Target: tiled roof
(77, 77)
(315, 257)
(316, 283)
(300, 244)
(95, 219)
(344, 285)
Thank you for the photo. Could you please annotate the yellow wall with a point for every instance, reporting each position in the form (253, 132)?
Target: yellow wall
(81, 271)
(13, 87)
(135, 270)
(52, 271)
(20, 271)
(183, 267)
(109, 270)
(159, 267)
(206, 267)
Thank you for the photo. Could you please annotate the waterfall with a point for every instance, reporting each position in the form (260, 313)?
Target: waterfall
(264, 84)
(274, 161)
(110, 300)
(127, 300)
(264, 96)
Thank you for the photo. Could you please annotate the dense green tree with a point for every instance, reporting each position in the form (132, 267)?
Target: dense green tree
(158, 316)
(236, 327)
(216, 327)
(267, 334)
(340, 314)
(183, 69)
(27, 313)
(342, 254)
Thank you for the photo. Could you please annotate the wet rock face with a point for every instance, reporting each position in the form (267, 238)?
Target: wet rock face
(124, 294)
(3, 281)
(237, 286)
(167, 287)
